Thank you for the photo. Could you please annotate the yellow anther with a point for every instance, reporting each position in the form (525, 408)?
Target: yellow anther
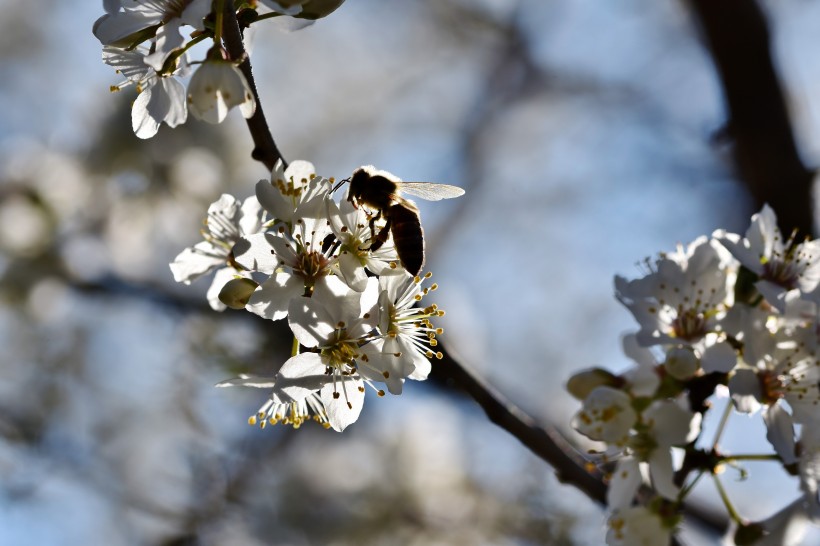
(439, 355)
(252, 420)
(380, 393)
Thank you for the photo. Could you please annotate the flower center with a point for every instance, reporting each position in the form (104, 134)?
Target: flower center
(783, 272)
(311, 265)
(342, 353)
(786, 269)
(689, 324)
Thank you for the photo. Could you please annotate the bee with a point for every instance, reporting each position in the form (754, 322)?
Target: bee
(381, 191)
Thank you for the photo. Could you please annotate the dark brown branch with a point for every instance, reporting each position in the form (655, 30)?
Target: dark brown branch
(265, 149)
(547, 443)
(765, 151)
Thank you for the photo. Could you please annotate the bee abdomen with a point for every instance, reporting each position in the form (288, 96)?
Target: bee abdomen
(408, 237)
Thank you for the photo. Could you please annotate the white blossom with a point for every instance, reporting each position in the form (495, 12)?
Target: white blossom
(682, 301)
(161, 97)
(637, 526)
(123, 28)
(607, 415)
(295, 264)
(351, 228)
(293, 193)
(226, 223)
(216, 87)
(661, 426)
(781, 265)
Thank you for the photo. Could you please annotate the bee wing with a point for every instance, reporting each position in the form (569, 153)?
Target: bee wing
(430, 190)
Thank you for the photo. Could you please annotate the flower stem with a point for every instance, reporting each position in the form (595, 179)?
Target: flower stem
(751, 457)
(294, 349)
(688, 487)
(722, 425)
(726, 502)
(219, 6)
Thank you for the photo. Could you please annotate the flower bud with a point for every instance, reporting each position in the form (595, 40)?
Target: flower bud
(216, 87)
(583, 382)
(236, 292)
(681, 362)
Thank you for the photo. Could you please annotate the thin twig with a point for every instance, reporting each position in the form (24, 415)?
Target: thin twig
(265, 149)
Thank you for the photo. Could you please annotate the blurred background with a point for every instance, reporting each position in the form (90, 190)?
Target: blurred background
(588, 135)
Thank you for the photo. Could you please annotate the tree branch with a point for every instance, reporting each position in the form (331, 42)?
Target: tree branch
(265, 149)
(765, 152)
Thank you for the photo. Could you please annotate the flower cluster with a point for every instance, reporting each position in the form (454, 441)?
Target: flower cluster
(144, 41)
(293, 252)
(725, 313)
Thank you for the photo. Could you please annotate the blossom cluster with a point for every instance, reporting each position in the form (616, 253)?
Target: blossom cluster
(726, 313)
(291, 251)
(144, 41)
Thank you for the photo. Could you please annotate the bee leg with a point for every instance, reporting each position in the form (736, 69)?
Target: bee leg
(381, 237)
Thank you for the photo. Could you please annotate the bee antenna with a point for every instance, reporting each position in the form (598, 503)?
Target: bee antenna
(341, 182)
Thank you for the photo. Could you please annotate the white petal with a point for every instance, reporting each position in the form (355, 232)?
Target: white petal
(352, 271)
(744, 386)
(720, 357)
(343, 402)
(164, 102)
(273, 201)
(254, 252)
(662, 473)
(300, 376)
(116, 28)
(168, 39)
(196, 261)
(176, 110)
(195, 12)
(774, 294)
(780, 432)
(250, 222)
(142, 122)
(311, 323)
(272, 297)
(740, 250)
(671, 424)
(624, 483)
(342, 303)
